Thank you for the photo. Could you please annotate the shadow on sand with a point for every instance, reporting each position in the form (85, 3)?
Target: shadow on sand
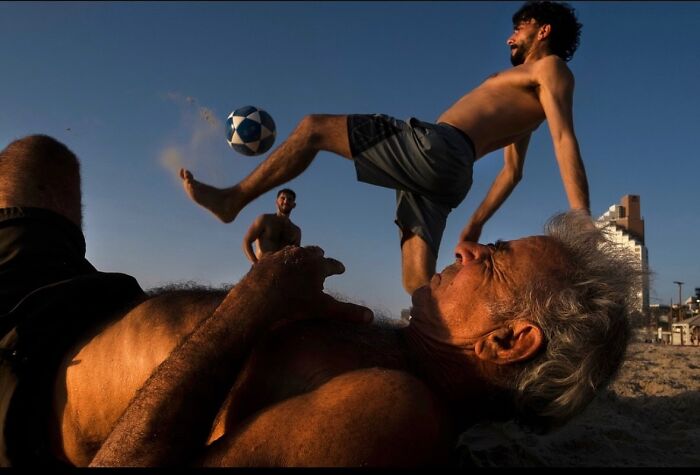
(644, 431)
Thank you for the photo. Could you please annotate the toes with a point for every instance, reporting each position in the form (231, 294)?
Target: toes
(185, 174)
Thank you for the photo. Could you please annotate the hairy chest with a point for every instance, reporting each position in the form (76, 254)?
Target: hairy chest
(303, 356)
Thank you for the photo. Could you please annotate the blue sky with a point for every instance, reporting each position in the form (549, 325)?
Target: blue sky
(126, 87)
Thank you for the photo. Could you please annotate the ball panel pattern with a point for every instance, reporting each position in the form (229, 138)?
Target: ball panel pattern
(250, 131)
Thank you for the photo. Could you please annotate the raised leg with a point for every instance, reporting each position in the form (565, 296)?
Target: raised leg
(313, 134)
(417, 263)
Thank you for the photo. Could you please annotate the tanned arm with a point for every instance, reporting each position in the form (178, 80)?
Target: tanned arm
(556, 96)
(169, 419)
(503, 185)
(254, 232)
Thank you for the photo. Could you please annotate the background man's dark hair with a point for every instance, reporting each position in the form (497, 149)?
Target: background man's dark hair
(566, 30)
(288, 191)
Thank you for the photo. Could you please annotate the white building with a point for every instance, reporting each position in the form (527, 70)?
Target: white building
(624, 225)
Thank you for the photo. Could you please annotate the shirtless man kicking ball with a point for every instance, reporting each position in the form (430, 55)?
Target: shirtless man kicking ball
(430, 164)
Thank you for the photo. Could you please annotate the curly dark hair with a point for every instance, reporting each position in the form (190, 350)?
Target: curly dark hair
(566, 30)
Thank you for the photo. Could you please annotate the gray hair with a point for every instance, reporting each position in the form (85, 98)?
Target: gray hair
(585, 324)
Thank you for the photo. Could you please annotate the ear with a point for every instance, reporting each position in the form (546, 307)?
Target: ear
(516, 341)
(544, 31)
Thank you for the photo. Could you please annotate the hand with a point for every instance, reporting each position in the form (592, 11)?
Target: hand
(589, 223)
(470, 233)
(295, 275)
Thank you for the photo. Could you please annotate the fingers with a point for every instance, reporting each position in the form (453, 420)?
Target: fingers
(337, 310)
(332, 267)
(329, 266)
(312, 250)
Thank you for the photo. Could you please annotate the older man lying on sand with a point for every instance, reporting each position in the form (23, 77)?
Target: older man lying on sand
(276, 372)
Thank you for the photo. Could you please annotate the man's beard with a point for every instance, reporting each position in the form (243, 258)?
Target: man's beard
(521, 50)
(518, 58)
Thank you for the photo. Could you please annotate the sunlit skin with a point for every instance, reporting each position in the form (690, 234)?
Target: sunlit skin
(450, 317)
(502, 112)
(482, 275)
(326, 394)
(275, 372)
(272, 232)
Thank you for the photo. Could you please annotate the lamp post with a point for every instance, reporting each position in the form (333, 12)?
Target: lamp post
(680, 285)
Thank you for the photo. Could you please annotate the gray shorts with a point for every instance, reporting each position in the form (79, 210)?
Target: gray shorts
(429, 166)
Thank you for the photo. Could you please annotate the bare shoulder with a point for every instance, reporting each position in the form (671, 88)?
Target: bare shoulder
(263, 221)
(368, 417)
(153, 326)
(552, 66)
(120, 357)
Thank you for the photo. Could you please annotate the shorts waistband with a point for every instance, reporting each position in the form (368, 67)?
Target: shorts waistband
(462, 133)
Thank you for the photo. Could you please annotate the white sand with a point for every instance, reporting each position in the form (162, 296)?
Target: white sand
(648, 417)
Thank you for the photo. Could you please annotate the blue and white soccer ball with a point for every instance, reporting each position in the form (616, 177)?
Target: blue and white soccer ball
(250, 131)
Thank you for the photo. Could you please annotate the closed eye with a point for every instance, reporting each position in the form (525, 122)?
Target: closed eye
(499, 245)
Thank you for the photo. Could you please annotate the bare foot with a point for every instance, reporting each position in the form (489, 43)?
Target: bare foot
(221, 202)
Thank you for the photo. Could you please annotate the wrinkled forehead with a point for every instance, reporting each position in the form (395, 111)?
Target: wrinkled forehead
(542, 252)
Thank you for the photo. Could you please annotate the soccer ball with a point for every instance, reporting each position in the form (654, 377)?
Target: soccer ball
(250, 131)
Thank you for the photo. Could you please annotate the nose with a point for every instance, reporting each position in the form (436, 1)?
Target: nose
(469, 251)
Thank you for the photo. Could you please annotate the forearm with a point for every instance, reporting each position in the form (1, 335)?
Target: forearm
(573, 173)
(169, 419)
(500, 190)
(174, 410)
(249, 252)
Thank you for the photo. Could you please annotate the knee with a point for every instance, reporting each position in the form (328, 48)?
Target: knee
(418, 262)
(310, 129)
(415, 280)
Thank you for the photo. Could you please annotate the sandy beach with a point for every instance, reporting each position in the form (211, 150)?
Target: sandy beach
(648, 417)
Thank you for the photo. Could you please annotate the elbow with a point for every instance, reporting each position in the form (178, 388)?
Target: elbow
(515, 176)
(510, 175)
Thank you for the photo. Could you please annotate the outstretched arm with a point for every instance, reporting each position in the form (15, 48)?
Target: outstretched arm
(503, 185)
(556, 95)
(254, 232)
(170, 417)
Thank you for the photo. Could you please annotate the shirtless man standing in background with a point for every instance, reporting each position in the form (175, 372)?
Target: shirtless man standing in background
(272, 232)
(430, 164)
